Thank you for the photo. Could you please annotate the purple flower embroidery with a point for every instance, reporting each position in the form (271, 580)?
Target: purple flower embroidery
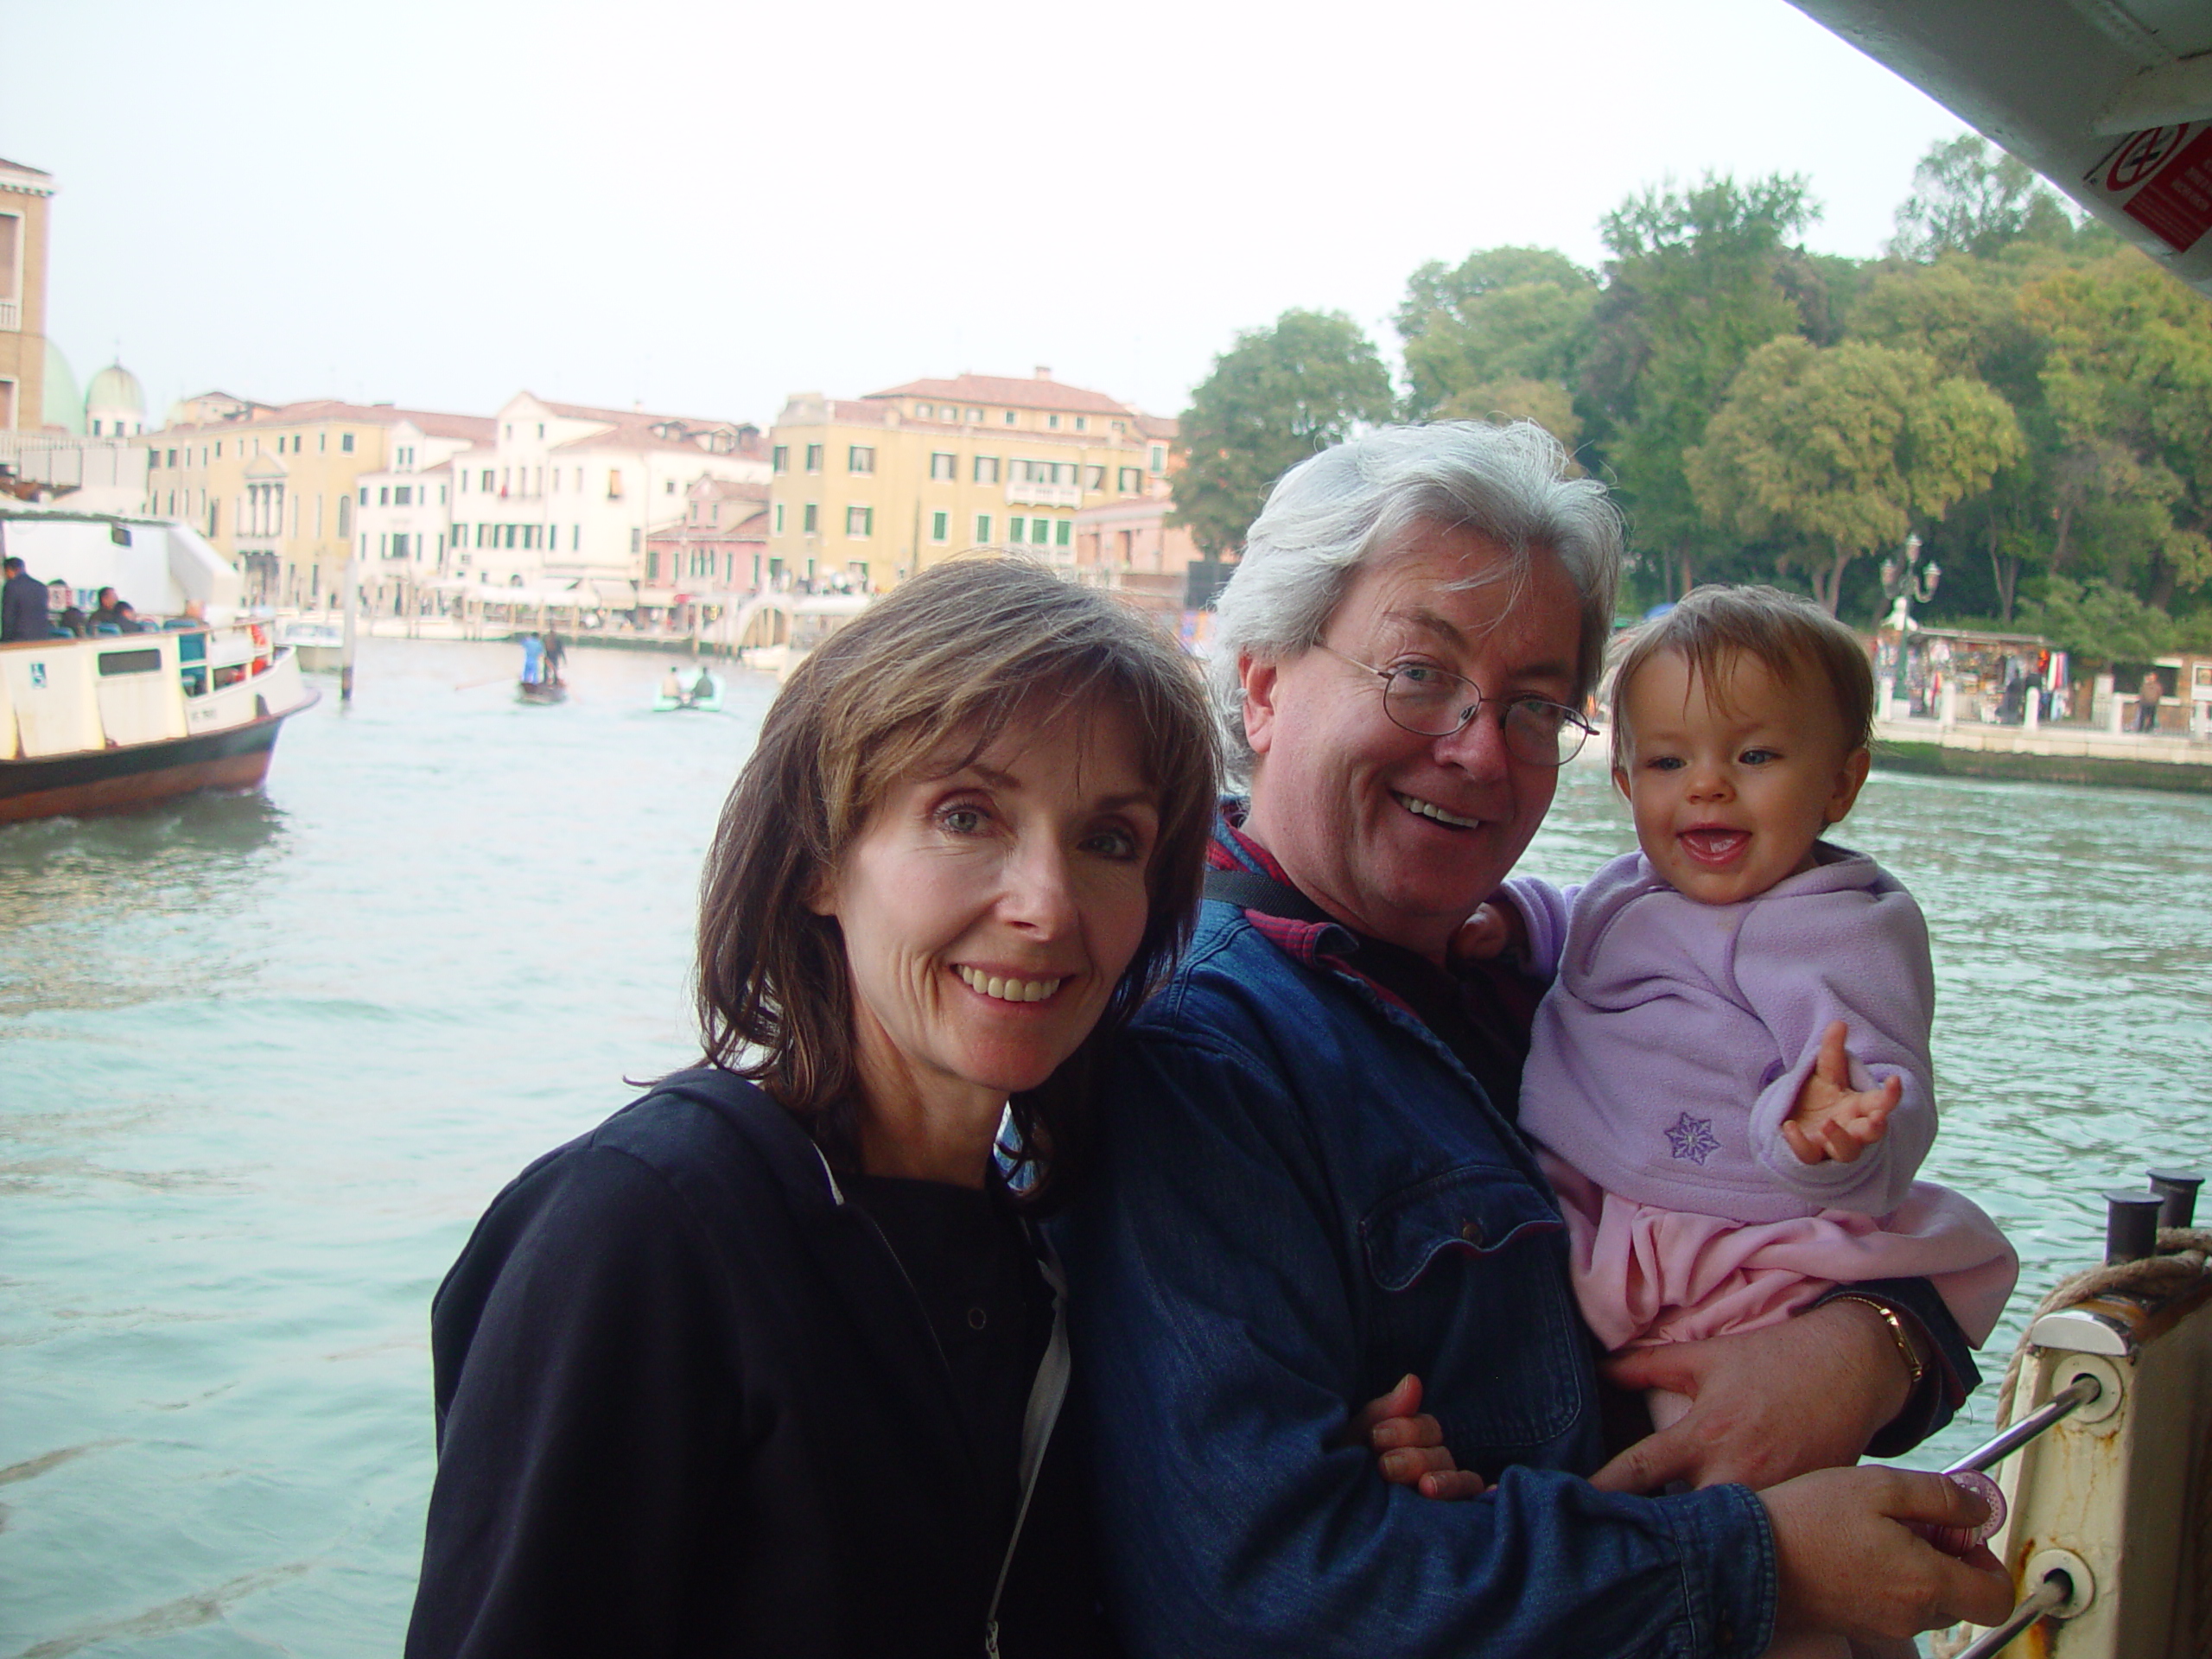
(1693, 1138)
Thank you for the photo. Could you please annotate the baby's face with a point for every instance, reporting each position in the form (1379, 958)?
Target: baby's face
(1730, 784)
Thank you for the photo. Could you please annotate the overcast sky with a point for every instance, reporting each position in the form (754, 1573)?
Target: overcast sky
(705, 206)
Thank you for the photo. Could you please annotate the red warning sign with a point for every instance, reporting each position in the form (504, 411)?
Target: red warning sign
(2162, 179)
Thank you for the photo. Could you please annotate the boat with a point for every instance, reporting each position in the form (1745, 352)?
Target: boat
(710, 701)
(319, 645)
(119, 722)
(542, 690)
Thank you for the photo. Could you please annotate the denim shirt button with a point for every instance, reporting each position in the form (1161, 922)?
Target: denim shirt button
(1469, 1232)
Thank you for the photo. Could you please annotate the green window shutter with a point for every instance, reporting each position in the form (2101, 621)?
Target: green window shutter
(1062, 529)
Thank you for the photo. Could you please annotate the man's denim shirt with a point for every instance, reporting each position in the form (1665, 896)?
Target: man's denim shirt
(1303, 1197)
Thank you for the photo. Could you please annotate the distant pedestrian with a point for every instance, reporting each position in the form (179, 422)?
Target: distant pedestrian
(22, 605)
(2147, 695)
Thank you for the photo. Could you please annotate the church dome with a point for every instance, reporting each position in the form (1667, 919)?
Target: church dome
(115, 404)
(63, 406)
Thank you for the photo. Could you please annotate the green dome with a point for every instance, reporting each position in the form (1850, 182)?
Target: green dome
(64, 405)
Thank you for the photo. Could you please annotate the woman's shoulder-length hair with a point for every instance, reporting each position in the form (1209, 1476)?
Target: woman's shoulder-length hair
(933, 674)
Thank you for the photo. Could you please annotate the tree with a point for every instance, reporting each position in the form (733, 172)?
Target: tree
(1277, 396)
(1968, 197)
(2129, 377)
(2099, 624)
(1504, 317)
(1845, 448)
(1698, 280)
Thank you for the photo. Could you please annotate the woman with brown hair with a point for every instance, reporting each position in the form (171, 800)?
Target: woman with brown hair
(774, 1360)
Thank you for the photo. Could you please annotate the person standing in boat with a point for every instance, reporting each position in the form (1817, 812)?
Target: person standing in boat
(774, 1360)
(533, 660)
(24, 612)
(556, 653)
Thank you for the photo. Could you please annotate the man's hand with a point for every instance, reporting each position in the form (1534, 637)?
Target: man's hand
(1766, 1405)
(1831, 1119)
(1410, 1449)
(1847, 1562)
(1495, 929)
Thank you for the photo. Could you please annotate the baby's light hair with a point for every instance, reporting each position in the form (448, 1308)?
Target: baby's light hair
(1786, 634)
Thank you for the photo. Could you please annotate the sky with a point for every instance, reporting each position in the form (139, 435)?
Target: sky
(703, 207)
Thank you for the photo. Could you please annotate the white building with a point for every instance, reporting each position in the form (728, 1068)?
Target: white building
(404, 516)
(564, 493)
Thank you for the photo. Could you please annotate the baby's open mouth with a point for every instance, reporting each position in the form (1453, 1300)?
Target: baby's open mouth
(1714, 845)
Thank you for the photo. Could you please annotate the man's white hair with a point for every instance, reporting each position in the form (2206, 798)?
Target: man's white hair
(1361, 502)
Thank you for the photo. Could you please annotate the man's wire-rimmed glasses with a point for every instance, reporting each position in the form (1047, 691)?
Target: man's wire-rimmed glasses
(1430, 702)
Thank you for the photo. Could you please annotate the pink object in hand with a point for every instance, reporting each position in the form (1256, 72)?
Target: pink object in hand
(1956, 1540)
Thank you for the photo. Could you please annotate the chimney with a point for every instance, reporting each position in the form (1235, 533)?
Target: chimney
(1044, 373)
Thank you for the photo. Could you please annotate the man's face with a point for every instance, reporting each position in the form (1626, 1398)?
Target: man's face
(1398, 834)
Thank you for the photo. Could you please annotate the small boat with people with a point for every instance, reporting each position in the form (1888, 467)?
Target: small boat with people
(678, 691)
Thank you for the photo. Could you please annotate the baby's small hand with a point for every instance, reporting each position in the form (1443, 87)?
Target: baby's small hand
(1832, 1120)
(1493, 929)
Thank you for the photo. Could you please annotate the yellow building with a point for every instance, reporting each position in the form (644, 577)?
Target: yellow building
(24, 191)
(872, 489)
(274, 489)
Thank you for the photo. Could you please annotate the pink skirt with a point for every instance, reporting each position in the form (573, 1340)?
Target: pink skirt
(1646, 1275)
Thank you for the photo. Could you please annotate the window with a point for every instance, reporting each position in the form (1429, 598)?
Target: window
(944, 467)
(344, 444)
(1039, 530)
(1010, 417)
(1129, 481)
(441, 495)
(1052, 422)
(1081, 424)
(322, 443)
(384, 496)
(614, 485)
(345, 516)
(1159, 458)
(975, 414)
(983, 530)
(860, 458)
(670, 487)
(860, 522)
(1094, 478)
(940, 526)
(402, 495)
(813, 457)
(364, 495)
(987, 469)
(779, 518)
(1062, 528)
(540, 428)
(925, 412)
(1016, 528)
(780, 458)
(172, 457)
(810, 518)
(637, 538)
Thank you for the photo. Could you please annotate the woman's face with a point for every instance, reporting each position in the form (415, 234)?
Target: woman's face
(989, 913)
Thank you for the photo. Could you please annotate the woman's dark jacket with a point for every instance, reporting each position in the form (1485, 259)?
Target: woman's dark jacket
(689, 1403)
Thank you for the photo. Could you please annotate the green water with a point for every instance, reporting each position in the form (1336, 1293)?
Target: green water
(263, 1059)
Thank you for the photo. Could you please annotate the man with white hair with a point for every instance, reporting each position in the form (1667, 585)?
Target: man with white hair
(1311, 1185)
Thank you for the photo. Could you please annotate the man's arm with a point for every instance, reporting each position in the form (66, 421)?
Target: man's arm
(1223, 1352)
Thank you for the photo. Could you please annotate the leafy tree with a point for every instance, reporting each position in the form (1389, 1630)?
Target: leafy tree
(1844, 448)
(1277, 396)
(1504, 317)
(1969, 197)
(2129, 377)
(1698, 281)
(2099, 623)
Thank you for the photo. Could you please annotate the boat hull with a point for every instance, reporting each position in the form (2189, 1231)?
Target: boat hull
(122, 780)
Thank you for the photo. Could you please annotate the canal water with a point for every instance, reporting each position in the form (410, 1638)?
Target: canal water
(265, 1058)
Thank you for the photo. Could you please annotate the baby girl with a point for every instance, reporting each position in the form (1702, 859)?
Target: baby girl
(1721, 1159)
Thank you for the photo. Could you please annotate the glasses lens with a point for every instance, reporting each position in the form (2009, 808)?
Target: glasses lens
(1543, 734)
(1428, 701)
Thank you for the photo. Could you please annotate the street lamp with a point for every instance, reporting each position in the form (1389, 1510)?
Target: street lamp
(1905, 586)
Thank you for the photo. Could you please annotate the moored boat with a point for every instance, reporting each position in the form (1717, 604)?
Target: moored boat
(119, 722)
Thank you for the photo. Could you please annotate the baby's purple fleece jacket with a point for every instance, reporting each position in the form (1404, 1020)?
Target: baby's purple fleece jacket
(1676, 1036)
